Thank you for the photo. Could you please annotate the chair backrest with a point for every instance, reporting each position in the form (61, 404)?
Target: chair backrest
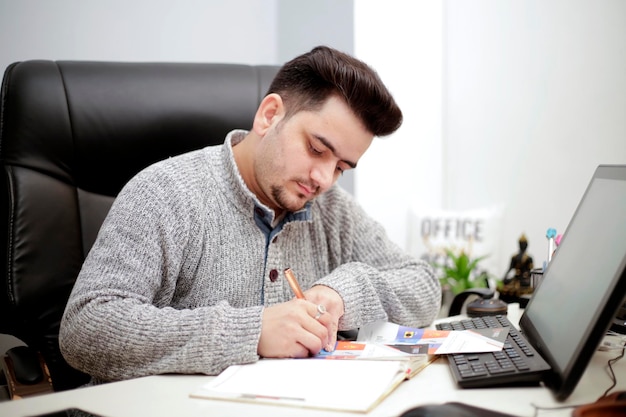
(72, 134)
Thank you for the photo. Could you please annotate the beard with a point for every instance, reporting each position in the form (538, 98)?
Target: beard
(282, 199)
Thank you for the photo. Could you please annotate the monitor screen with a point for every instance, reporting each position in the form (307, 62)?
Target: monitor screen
(584, 284)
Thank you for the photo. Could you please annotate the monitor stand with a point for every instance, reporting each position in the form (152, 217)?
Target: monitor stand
(618, 324)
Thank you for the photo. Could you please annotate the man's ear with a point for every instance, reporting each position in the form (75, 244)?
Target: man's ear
(270, 111)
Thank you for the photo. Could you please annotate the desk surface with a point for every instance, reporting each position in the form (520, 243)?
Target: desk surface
(168, 395)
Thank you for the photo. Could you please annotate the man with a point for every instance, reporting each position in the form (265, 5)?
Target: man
(187, 273)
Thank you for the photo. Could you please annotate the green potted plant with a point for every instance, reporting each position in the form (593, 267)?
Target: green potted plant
(459, 272)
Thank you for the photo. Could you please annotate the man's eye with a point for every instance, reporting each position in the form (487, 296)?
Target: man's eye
(314, 150)
(343, 167)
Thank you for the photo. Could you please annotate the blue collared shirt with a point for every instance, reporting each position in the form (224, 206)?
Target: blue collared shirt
(263, 216)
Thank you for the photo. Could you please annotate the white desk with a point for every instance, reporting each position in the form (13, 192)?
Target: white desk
(168, 395)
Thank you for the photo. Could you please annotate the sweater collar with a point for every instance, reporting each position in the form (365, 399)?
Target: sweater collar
(246, 198)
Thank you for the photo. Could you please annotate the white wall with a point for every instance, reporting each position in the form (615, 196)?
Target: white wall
(536, 99)
(242, 31)
(533, 95)
(403, 41)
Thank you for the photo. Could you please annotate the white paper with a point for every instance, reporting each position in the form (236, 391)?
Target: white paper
(317, 383)
(438, 341)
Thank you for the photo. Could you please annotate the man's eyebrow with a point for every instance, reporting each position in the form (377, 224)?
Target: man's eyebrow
(333, 150)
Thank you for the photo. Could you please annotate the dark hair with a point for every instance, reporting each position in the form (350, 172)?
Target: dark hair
(307, 81)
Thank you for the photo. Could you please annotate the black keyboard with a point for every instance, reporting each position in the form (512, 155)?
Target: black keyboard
(517, 364)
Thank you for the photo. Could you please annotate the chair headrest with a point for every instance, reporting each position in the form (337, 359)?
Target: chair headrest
(95, 123)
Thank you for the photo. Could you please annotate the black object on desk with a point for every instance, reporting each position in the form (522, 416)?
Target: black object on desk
(483, 306)
(619, 322)
(68, 412)
(451, 409)
(487, 307)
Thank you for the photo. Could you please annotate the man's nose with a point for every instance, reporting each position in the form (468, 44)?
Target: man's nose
(324, 175)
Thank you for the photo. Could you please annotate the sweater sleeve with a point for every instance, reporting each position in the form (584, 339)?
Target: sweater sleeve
(120, 321)
(376, 279)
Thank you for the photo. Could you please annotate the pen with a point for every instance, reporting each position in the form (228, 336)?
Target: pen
(293, 283)
(295, 287)
(550, 234)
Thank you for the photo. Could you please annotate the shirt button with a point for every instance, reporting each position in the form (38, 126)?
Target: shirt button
(273, 275)
(259, 211)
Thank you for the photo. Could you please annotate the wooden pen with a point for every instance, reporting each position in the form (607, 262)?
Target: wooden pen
(293, 283)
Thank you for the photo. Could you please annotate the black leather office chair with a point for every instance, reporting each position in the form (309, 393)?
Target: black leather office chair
(71, 135)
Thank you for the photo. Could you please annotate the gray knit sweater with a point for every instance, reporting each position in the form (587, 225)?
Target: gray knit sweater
(180, 273)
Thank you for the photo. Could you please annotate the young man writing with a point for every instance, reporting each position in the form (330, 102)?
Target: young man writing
(187, 273)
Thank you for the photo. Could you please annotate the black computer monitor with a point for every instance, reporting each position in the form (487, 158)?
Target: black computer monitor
(584, 285)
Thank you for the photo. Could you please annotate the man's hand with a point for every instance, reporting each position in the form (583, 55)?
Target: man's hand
(291, 329)
(332, 301)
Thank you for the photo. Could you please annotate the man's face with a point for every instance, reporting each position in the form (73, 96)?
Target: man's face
(301, 157)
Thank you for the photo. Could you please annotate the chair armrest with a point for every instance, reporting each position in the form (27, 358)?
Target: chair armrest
(26, 372)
